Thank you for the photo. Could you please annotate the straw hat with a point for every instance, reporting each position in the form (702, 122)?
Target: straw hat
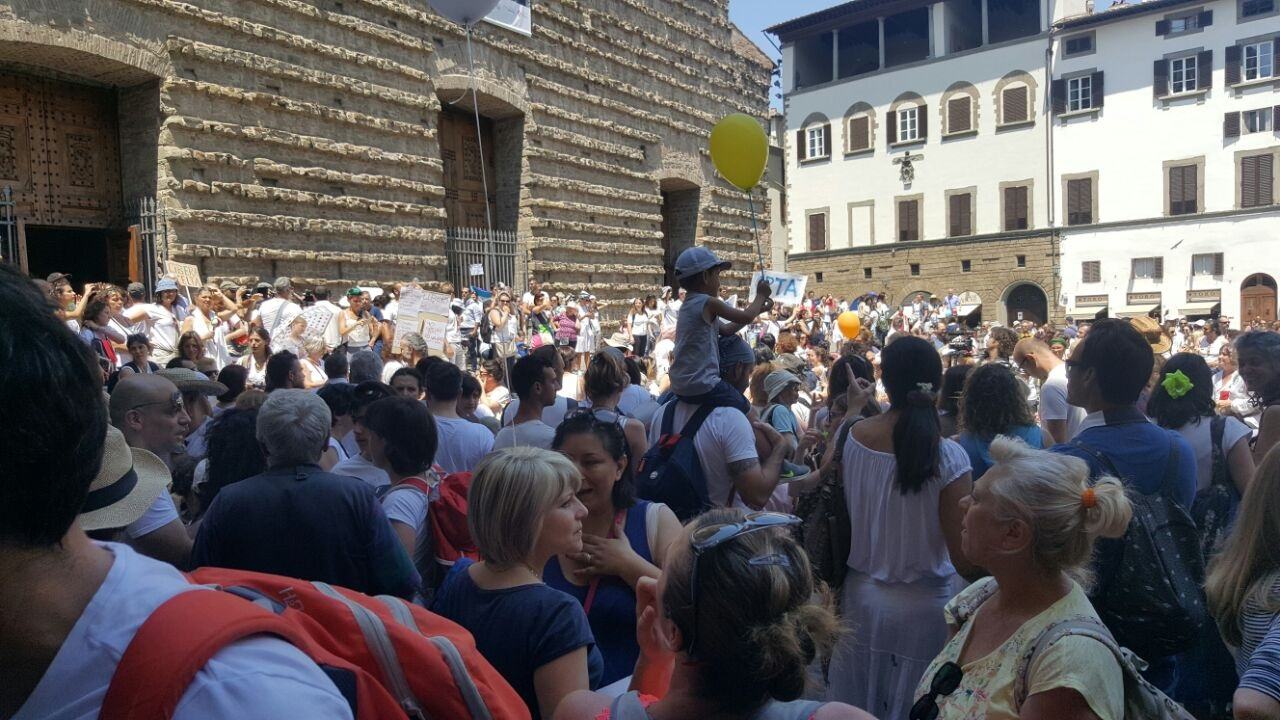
(188, 380)
(619, 340)
(1155, 335)
(129, 480)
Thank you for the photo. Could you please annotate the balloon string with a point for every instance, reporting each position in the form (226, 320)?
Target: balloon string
(755, 233)
(475, 102)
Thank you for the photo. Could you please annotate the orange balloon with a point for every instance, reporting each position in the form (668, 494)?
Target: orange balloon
(850, 324)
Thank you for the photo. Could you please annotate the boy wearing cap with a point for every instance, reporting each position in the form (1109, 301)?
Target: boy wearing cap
(702, 319)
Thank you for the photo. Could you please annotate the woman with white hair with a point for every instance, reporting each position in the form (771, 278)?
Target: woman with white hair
(1031, 522)
(313, 375)
(522, 510)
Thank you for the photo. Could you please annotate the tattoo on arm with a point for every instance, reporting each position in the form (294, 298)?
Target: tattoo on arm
(743, 466)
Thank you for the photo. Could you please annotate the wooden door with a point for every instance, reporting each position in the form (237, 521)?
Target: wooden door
(1258, 299)
(59, 151)
(464, 181)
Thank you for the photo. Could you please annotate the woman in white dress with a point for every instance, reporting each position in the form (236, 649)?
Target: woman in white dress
(203, 322)
(903, 484)
(588, 331)
(256, 359)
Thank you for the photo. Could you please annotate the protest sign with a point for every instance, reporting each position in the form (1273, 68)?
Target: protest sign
(476, 269)
(788, 288)
(186, 274)
(407, 314)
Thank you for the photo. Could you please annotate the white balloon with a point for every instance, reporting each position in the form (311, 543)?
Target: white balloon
(464, 12)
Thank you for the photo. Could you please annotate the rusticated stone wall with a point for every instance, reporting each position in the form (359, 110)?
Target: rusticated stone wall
(299, 137)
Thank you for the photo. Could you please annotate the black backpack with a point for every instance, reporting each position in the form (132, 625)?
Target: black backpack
(1215, 507)
(825, 530)
(486, 327)
(670, 471)
(1153, 601)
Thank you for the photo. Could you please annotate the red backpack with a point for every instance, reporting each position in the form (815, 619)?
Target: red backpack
(447, 538)
(392, 659)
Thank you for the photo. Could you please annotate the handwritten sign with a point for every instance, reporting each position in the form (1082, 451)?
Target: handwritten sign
(186, 274)
(434, 303)
(476, 269)
(433, 331)
(788, 288)
(408, 319)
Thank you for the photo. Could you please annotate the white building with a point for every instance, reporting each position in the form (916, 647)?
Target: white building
(1018, 189)
(1166, 191)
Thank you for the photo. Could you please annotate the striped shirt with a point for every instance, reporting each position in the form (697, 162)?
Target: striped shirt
(1258, 658)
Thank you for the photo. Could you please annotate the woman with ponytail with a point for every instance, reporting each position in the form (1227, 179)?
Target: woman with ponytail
(1031, 522)
(903, 484)
(728, 631)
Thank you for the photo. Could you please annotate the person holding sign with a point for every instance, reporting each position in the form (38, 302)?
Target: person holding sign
(703, 318)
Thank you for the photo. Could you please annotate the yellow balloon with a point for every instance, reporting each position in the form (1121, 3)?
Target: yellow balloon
(850, 324)
(740, 150)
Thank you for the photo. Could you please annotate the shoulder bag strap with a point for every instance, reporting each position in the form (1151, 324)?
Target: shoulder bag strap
(1171, 467)
(1080, 626)
(669, 417)
(1100, 456)
(169, 640)
(412, 483)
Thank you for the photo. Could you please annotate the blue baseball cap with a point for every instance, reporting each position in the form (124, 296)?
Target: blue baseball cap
(166, 284)
(735, 350)
(698, 259)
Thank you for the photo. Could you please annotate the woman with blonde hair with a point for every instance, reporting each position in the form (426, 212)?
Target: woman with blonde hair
(522, 510)
(313, 375)
(729, 630)
(1244, 594)
(1031, 522)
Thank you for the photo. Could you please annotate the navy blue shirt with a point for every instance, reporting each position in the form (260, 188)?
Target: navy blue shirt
(519, 629)
(306, 523)
(1140, 450)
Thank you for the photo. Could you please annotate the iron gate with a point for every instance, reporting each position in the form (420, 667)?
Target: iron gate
(8, 228)
(495, 256)
(153, 243)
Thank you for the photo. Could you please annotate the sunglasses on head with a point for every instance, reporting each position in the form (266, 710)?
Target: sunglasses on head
(945, 681)
(709, 537)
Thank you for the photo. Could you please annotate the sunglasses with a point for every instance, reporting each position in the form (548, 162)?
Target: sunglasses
(174, 402)
(710, 537)
(945, 681)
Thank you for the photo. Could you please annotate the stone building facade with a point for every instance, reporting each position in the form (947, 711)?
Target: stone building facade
(997, 277)
(333, 140)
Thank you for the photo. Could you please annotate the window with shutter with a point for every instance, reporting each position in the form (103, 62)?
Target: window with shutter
(1080, 93)
(1231, 125)
(1158, 270)
(1204, 70)
(1206, 264)
(961, 215)
(1015, 208)
(1183, 187)
(909, 124)
(859, 133)
(1182, 75)
(817, 231)
(1148, 268)
(959, 117)
(908, 220)
(1080, 201)
(1091, 271)
(1058, 96)
(1219, 267)
(1255, 180)
(1096, 86)
(1232, 72)
(1254, 8)
(891, 127)
(1014, 101)
(1160, 81)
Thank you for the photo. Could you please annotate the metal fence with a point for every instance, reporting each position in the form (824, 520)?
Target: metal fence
(8, 228)
(152, 239)
(469, 250)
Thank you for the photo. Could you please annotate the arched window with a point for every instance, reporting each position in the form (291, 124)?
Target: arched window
(1015, 99)
(959, 109)
(813, 139)
(859, 128)
(907, 121)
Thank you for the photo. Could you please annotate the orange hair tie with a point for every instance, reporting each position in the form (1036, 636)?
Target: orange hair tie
(1088, 498)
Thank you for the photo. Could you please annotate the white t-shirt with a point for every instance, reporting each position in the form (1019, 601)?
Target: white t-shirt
(407, 505)
(531, 433)
(275, 315)
(1197, 435)
(462, 444)
(1054, 405)
(670, 312)
(162, 328)
(726, 437)
(161, 512)
(552, 414)
(1212, 349)
(636, 402)
(357, 466)
(662, 355)
(261, 677)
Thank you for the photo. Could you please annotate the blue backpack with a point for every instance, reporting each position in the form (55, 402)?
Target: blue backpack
(670, 471)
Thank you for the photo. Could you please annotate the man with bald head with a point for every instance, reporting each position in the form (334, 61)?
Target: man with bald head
(1058, 418)
(149, 411)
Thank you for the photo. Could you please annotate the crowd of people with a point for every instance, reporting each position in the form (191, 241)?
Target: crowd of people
(690, 506)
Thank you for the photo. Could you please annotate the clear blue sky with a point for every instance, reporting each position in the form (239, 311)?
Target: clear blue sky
(753, 16)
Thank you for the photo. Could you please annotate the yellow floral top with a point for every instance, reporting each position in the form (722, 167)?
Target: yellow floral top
(986, 691)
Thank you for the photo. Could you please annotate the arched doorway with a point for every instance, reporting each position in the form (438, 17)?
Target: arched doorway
(1258, 299)
(680, 200)
(1026, 302)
